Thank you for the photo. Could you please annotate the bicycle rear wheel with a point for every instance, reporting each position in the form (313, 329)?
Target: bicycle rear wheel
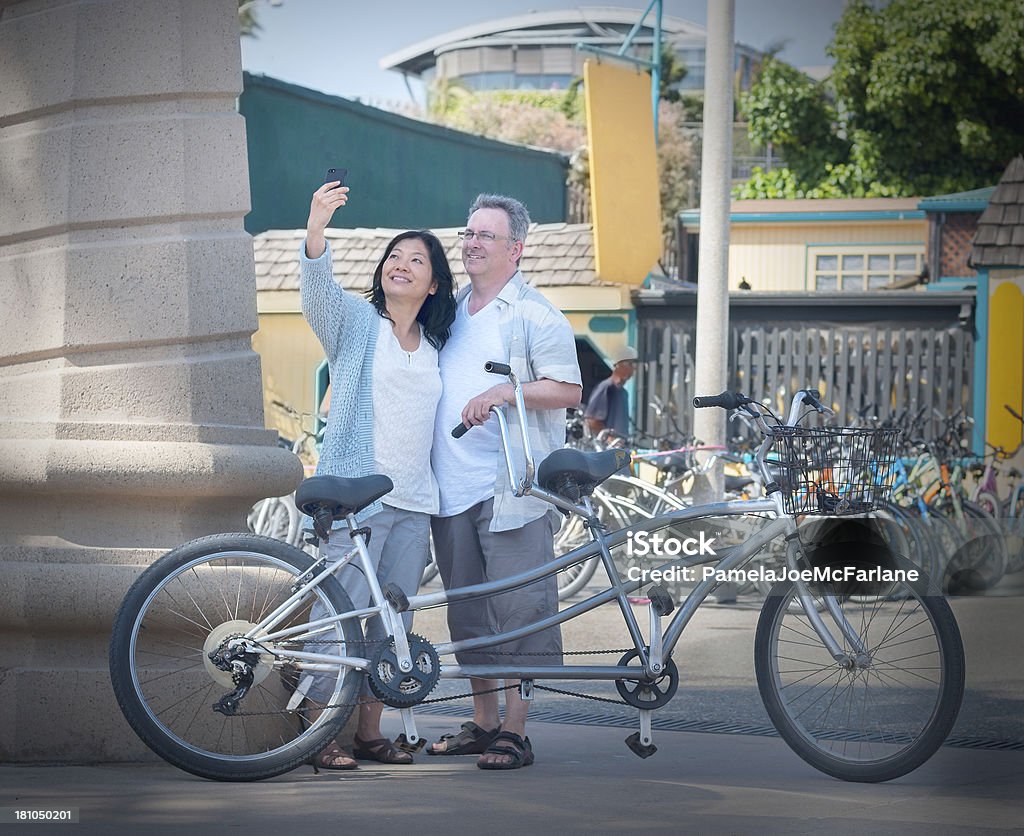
(883, 712)
(183, 608)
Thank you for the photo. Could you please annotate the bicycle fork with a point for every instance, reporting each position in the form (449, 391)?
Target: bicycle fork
(858, 654)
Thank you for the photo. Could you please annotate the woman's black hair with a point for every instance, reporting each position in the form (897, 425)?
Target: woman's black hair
(437, 313)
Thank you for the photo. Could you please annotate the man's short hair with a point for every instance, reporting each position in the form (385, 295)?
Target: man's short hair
(518, 217)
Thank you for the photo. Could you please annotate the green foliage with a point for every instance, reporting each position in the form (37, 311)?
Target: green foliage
(929, 99)
(248, 25)
(543, 118)
(677, 173)
(671, 71)
(791, 112)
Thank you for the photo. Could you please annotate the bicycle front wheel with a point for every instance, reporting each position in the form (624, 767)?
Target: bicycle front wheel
(887, 706)
(186, 606)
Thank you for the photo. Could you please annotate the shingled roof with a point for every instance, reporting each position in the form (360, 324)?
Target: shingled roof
(999, 241)
(556, 255)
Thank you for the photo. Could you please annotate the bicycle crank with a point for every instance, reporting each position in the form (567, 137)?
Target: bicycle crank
(404, 689)
(646, 693)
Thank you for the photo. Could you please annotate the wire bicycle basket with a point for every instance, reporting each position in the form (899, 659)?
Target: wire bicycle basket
(833, 471)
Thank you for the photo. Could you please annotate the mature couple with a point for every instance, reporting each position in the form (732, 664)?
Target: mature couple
(405, 368)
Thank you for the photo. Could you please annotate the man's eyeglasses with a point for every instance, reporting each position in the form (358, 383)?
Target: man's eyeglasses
(482, 237)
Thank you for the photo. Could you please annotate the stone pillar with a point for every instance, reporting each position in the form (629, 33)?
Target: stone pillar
(131, 413)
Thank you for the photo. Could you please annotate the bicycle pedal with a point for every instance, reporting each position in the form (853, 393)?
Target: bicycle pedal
(661, 600)
(641, 750)
(402, 742)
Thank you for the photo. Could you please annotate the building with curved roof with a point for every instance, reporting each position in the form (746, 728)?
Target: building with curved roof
(537, 50)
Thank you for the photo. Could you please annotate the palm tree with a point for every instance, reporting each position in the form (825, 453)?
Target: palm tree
(248, 25)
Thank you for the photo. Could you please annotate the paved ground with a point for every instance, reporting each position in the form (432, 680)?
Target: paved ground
(584, 781)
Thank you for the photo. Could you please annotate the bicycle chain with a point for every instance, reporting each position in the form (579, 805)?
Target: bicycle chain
(457, 696)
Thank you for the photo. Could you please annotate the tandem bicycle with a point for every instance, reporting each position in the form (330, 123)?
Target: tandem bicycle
(213, 645)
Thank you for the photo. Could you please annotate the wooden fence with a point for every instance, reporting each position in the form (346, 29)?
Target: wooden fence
(883, 352)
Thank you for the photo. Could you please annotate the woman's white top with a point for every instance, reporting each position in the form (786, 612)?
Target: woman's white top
(406, 391)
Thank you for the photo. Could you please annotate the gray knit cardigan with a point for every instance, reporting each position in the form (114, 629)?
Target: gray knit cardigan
(347, 328)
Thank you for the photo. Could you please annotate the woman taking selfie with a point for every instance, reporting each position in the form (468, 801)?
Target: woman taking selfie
(382, 353)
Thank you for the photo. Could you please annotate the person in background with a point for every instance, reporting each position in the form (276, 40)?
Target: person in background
(608, 407)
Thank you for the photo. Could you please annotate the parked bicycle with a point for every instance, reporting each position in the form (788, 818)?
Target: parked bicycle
(211, 647)
(278, 516)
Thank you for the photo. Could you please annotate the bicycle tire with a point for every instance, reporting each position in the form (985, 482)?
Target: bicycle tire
(922, 550)
(270, 518)
(988, 502)
(186, 603)
(978, 560)
(889, 719)
(990, 528)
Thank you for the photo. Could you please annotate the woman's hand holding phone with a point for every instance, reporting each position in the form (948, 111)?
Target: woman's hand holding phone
(325, 201)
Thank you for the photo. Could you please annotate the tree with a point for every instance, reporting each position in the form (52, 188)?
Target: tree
(672, 69)
(933, 92)
(789, 111)
(248, 24)
(929, 98)
(529, 117)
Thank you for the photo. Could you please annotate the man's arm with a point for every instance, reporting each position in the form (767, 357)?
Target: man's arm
(537, 394)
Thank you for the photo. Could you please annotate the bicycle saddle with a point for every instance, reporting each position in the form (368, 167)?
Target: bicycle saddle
(339, 495)
(737, 483)
(671, 461)
(573, 473)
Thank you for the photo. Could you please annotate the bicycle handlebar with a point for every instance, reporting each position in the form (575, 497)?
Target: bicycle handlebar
(493, 367)
(726, 400)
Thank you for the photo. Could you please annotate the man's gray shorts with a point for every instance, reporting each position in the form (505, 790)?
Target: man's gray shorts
(468, 553)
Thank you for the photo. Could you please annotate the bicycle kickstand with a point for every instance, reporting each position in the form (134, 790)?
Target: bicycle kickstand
(641, 743)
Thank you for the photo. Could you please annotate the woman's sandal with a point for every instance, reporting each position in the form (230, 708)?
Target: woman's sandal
(472, 740)
(381, 750)
(332, 756)
(510, 745)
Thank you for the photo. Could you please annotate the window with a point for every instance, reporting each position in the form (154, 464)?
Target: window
(859, 267)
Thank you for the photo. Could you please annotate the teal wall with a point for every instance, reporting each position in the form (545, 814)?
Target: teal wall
(403, 173)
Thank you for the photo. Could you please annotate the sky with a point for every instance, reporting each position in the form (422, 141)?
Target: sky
(335, 46)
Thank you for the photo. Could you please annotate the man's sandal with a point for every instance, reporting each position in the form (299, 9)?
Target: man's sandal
(380, 750)
(472, 740)
(333, 756)
(510, 745)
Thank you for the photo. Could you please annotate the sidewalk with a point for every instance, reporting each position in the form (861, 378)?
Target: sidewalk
(584, 781)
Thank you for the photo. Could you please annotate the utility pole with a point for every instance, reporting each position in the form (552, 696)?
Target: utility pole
(712, 350)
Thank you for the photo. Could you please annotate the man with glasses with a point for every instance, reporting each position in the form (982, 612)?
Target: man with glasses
(482, 532)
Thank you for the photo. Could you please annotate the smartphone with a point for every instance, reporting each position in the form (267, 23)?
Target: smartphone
(336, 174)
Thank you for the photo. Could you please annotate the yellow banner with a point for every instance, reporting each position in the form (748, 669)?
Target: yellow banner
(624, 196)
